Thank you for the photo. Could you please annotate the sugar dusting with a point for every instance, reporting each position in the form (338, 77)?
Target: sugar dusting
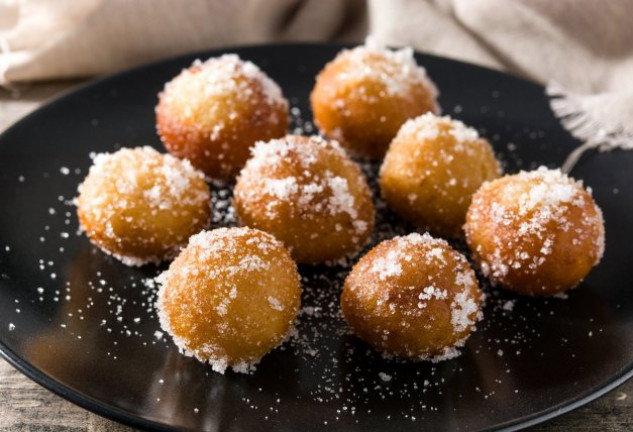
(225, 75)
(398, 72)
(99, 301)
(310, 192)
(543, 197)
(225, 256)
(172, 192)
(451, 283)
(430, 126)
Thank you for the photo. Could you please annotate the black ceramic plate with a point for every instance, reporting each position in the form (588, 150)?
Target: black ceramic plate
(81, 323)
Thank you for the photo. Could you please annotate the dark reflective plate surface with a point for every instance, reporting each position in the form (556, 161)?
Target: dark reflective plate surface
(81, 324)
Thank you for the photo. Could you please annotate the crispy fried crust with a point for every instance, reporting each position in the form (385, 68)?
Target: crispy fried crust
(537, 233)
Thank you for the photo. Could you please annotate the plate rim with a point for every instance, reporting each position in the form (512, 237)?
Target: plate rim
(122, 416)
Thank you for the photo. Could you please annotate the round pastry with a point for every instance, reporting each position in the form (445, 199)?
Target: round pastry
(363, 96)
(413, 297)
(140, 205)
(230, 297)
(538, 233)
(213, 112)
(308, 194)
(431, 170)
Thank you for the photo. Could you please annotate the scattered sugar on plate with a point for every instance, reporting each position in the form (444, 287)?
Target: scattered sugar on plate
(385, 377)
(347, 375)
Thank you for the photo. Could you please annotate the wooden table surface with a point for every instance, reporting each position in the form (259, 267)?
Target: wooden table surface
(25, 406)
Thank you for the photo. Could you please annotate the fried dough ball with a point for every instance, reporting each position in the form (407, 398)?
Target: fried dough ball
(140, 206)
(230, 297)
(213, 112)
(537, 233)
(363, 96)
(413, 297)
(308, 194)
(431, 170)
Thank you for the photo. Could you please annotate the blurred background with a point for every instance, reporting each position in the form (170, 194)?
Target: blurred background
(582, 49)
(584, 44)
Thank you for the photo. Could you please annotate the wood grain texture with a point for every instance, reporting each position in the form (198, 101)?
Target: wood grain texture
(25, 406)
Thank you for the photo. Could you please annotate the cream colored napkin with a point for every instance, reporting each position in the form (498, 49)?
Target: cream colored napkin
(582, 48)
(49, 39)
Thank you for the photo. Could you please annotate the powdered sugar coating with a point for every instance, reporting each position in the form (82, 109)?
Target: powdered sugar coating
(537, 232)
(230, 297)
(306, 190)
(214, 111)
(140, 205)
(365, 94)
(432, 168)
(430, 126)
(398, 72)
(397, 295)
(226, 75)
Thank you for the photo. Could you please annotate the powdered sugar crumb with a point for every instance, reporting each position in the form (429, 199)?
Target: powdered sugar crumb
(224, 75)
(531, 201)
(431, 126)
(312, 191)
(398, 73)
(384, 377)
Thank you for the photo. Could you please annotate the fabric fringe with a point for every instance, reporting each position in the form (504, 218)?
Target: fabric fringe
(574, 117)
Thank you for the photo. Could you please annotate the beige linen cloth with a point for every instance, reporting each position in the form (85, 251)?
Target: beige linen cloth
(581, 49)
